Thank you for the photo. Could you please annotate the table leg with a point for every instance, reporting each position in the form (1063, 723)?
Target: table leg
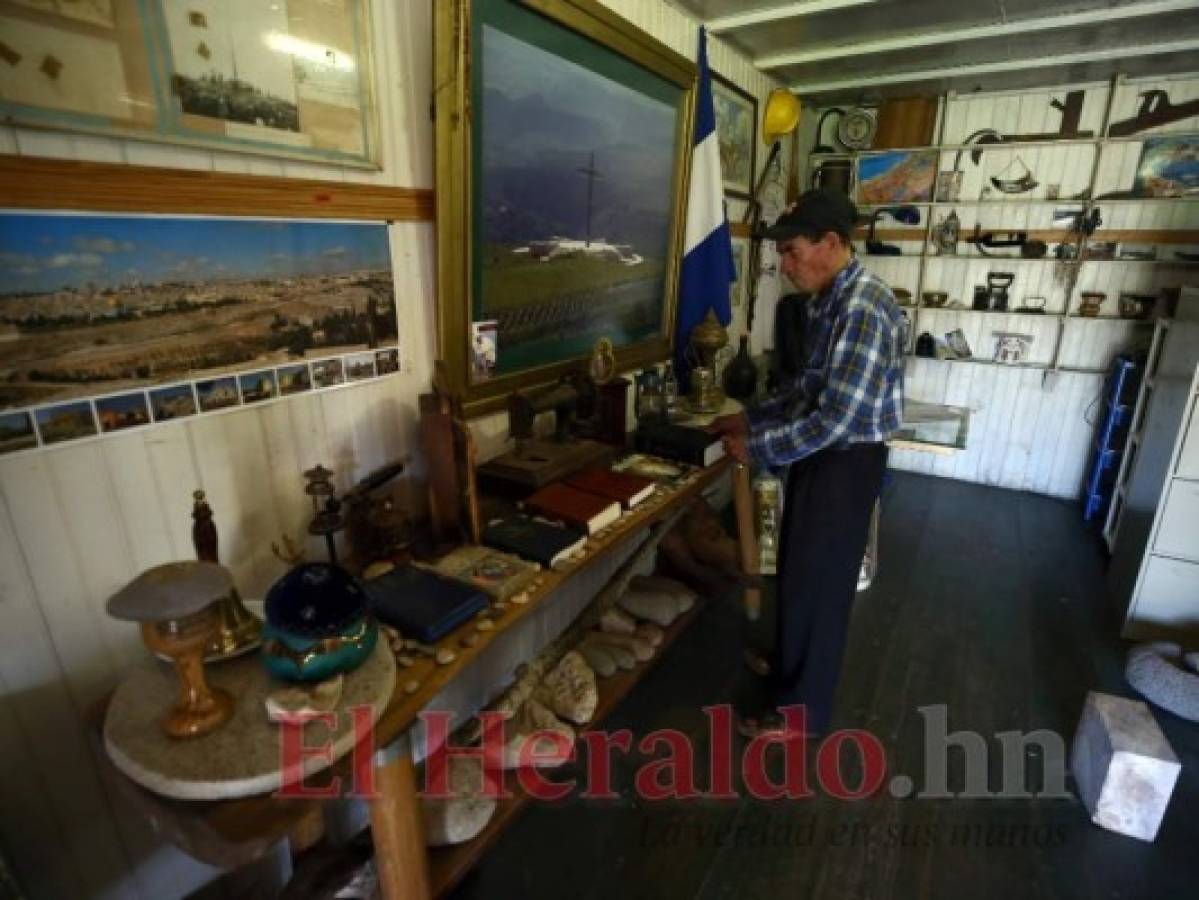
(747, 537)
(401, 860)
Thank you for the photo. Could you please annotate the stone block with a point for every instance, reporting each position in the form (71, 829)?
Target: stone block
(1123, 766)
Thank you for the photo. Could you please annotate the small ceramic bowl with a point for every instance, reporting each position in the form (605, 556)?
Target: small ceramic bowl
(902, 296)
(317, 624)
(934, 299)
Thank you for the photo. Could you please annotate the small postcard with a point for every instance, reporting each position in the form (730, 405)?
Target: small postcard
(360, 366)
(484, 349)
(217, 393)
(16, 432)
(327, 373)
(65, 422)
(258, 386)
(174, 402)
(123, 411)
(387, 361)
(294, 379)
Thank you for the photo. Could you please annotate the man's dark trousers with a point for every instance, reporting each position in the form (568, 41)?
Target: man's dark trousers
(826, 523)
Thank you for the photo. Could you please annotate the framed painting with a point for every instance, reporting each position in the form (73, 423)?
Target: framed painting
(288, 78)
(562, 134)
(901, 176)
(1168, 167)
(736, 131)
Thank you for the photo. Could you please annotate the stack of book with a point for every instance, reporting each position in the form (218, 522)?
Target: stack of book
(560, 516)
(682, 443)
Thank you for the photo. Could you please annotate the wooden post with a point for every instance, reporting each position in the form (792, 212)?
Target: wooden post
(401, 860)
(747, 537)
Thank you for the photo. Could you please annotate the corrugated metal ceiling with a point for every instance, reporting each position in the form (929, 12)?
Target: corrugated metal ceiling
(856, 50)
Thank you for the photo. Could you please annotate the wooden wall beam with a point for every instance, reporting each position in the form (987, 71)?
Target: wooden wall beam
(36, 183)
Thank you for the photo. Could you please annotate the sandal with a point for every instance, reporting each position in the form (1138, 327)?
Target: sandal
(769, 722)
(757, 663)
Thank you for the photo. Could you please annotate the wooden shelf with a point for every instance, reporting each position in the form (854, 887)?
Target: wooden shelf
(986, 312)
(988, 362)
(448, 865)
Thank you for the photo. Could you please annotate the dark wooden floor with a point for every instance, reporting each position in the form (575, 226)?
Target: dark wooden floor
(988, 601)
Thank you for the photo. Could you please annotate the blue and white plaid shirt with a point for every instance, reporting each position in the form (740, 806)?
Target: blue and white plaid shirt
(851, 389)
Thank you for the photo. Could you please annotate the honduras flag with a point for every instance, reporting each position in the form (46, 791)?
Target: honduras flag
(707, 269)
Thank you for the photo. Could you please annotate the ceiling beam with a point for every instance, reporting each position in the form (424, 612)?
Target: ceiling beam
(869, 79)
(777, 13)
(980, 32)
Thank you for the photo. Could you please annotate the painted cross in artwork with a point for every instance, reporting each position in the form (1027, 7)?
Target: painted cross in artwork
(95, 305)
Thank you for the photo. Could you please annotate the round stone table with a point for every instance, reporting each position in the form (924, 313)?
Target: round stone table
(242, 756)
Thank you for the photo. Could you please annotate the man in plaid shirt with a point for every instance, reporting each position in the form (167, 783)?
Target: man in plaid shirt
(828, 426)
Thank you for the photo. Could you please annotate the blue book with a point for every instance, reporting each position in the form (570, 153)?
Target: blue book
(422, 604)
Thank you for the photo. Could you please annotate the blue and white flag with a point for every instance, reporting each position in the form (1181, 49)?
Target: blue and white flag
(707, 269)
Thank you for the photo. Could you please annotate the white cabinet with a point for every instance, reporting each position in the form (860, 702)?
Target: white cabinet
(1177, 532)
(1155, 564)
(1188, 459)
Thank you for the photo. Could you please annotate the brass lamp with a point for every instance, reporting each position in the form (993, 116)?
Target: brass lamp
(177, 606)
(706, 340)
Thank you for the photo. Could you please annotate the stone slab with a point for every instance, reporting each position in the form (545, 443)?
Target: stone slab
(241, 757)
(1123, 765)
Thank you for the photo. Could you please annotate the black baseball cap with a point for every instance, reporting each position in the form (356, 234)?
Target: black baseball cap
(817, 212)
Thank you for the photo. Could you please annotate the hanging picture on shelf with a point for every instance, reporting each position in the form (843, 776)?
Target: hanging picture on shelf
(1169, 167)
(904, 176)
(1010, 347)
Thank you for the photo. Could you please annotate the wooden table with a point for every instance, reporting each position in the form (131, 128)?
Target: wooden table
(233, 832)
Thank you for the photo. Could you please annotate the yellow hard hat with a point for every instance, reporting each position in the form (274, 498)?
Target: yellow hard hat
(782, 115)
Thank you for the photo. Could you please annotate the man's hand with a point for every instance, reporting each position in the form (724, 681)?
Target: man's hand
(736, 446)
(734, 424)
(734, 432)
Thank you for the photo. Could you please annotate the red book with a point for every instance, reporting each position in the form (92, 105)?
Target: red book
(574, 507)
(625, 488)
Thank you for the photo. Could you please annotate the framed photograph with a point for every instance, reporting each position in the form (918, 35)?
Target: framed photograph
(289, 78)
(564, 130)
(737, 132)
(902, 176)
(92, 304)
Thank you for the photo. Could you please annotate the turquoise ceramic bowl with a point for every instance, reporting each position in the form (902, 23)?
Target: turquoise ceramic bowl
(317, 624)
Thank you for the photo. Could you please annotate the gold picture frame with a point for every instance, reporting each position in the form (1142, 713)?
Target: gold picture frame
(479, 264)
